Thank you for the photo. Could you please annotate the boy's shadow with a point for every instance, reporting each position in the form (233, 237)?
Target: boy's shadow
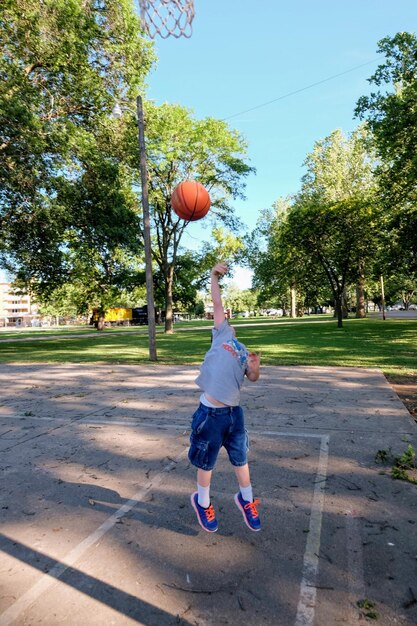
(155, 510)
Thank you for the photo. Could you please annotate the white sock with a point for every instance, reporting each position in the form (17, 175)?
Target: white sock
(247, 493)
(203, 496)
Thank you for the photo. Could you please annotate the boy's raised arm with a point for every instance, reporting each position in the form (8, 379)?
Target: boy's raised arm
(216, 296)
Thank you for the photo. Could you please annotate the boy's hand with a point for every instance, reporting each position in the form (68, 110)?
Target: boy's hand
(254, 360)
(219, 269)
(253, 366)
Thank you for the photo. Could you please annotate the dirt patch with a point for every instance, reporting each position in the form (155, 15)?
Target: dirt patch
(406, 389)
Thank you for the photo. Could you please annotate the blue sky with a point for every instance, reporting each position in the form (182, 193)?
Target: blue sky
(243, 54)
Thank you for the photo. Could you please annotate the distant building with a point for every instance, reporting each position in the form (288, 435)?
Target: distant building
(209, 312)
(16, 310)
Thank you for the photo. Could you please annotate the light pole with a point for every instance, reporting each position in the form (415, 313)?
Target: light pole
(117, 112)
(382, 297)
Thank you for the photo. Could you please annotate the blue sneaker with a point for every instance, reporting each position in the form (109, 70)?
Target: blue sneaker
(206, 517)
(249, 512)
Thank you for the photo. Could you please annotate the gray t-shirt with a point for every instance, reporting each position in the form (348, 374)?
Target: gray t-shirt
(223, 369)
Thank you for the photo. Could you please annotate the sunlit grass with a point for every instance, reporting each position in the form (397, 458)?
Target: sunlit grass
(23, 332)
(389, 345)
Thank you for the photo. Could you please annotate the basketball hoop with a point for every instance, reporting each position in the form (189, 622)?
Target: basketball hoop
(167, 17)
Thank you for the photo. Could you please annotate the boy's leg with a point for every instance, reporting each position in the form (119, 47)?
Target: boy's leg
(204, 477)
(205, 442)
(203, 487)
(200, 501)
(242, 475)
(243, 478)
(244, 498)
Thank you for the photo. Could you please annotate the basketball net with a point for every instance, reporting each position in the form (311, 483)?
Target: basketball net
(167, 17)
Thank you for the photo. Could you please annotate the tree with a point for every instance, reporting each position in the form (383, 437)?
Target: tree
(63, 303)
(239, 299)
(337, 236)
(328, 231)
(180, 147)
(391, 115)
(341, 168)
(62, 65)
(105, 255)
(400, 287)
(280, 267)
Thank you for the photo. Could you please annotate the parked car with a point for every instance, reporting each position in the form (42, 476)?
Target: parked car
(275, 312)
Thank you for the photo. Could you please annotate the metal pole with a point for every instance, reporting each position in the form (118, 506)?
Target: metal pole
(146, 232)
(382, 297)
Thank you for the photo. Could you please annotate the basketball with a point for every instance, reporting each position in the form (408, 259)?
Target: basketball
(190, 200)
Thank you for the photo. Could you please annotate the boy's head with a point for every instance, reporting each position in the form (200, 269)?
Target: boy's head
(233, 329)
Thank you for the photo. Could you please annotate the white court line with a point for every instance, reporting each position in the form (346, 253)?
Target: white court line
(308, 591)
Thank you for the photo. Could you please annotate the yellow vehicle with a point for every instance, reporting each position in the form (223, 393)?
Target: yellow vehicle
(120, 316)
(117, 316)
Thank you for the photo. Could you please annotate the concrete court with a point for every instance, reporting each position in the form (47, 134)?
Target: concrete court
(97, 528)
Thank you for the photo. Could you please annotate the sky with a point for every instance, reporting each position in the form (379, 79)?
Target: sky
(245, 60)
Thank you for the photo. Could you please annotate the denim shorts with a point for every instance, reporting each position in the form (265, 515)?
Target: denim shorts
(212, 428)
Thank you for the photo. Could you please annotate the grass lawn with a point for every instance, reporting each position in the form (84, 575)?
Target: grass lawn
(389, 345)
(26, 333)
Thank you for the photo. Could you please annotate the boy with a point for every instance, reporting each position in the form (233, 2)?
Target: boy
(219, 419)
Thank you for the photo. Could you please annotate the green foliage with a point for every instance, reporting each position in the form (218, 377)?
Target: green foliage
(383, 456)
(61, 192)
(199, 308)
(400, 286)
(403, 466)
(367, 608)
(278, 267)
(328, 231)
(239, 300)
(391, 114)
(339, 167)
(187, 281)
(181, 147)
(64, 301)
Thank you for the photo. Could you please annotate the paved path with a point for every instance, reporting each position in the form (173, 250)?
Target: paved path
(96, 525)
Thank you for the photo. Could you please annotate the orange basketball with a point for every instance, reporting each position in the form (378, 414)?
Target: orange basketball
(190, 200)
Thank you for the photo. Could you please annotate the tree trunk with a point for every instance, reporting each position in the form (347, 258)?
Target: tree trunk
(293, 303)
(169, 310)
(339, 309)
(406, 298)
(344, 302)
(100, 322)
(360, 293)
